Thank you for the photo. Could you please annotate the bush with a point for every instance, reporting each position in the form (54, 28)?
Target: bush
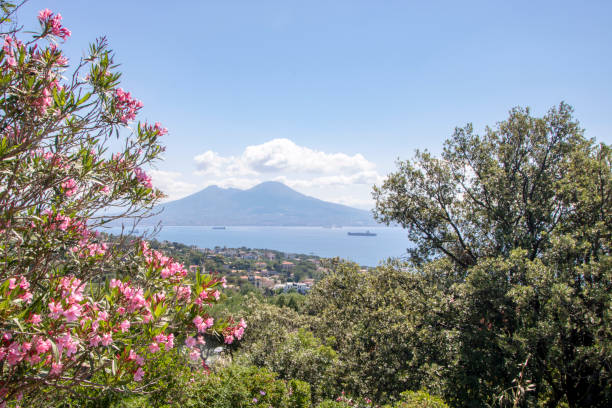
(76, 311)
(238, 386)
(419, 399)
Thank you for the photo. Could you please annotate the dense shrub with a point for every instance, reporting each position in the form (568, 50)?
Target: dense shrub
(239, 386)
(78, 313)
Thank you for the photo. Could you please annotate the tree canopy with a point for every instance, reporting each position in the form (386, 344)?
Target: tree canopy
(515, 225)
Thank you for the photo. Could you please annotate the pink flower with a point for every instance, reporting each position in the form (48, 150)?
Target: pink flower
(15, 354)
(107, 339)
(23, 283)
(26, 297)
(44, 15)
(35, 319)
(200, 324)
(143, 178)
(229, 339)
(67, 342)
(72, 313)
(43, 346)
(153, 347)
(159, 129)
(53, 23)
(216, 294)
(124, 326)
(95, 341)
(194, 355)
(69, 186)
(238, 333)
(135, 357)
(56, 368)
(56, 309)
(139, 374)
(190, 342)
(170, 341)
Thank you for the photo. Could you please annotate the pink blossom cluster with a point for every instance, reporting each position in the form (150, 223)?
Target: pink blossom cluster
(157, 129)
(142, 177)
(53, 23)
(43, 102)
(183, 292)
(38, 349)
(161, 339)
(9, 44)
(69, 307)
(32, 351)
(90, 249)
(20, 287)
(232, 333)
(61, 222)
(132, 300)
(57, 221)
(69, 186)
(139, 361)
(126, 105)
(54, 159)
(169, 268)
(202, 324)
(206, 295)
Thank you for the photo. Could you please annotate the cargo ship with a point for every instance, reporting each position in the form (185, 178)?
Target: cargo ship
(220, 228)
(362, 234)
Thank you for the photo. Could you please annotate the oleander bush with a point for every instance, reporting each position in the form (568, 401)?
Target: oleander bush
(78, 314)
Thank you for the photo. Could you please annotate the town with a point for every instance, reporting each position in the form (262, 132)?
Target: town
(244, 268)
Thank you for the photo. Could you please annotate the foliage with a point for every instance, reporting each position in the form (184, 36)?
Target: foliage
(419, 399)
(239, 386)
(292, 300)
(514, 226)
(384, 335)
(76, 311)
(345, 402)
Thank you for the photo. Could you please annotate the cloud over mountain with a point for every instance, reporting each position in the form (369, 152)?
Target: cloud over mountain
(294, 165)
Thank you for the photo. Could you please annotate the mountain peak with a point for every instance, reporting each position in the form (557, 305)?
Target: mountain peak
(268, 203)
(272, 186)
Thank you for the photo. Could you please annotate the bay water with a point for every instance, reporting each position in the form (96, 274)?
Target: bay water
(389, 242)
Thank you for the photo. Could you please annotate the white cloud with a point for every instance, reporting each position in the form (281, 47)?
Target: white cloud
(283, 160)
(171, 184)
(336, 177)
(284, 155)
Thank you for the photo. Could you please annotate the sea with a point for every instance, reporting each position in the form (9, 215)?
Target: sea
(389, 242)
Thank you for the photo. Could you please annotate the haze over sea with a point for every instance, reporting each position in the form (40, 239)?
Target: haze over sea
(325, 242)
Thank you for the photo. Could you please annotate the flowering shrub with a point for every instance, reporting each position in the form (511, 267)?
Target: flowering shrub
(74, 310)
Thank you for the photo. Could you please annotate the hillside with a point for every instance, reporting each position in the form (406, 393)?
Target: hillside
(267, 204)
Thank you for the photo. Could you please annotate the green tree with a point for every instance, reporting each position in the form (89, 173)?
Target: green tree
(517, 223)
(384, 328)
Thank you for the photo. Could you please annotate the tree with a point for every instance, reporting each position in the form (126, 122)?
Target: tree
(76, 311)
(521, 218)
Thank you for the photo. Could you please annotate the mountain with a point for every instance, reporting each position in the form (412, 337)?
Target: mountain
(266, 204)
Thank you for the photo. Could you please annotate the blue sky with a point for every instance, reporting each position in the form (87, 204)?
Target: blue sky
(326, 95)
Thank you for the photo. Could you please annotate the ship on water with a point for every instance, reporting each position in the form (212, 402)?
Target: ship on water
(219, 228)
(362, 234)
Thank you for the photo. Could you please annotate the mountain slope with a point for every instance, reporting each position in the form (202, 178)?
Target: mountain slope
(269, 203)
